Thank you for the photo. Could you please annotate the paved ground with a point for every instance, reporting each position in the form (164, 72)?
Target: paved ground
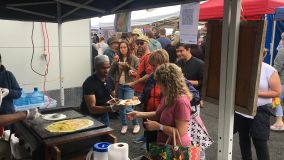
(210, 117)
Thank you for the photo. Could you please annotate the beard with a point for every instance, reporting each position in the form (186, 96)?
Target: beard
(141, 51)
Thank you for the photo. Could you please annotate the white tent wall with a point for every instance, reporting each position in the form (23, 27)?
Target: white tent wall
(16, 50)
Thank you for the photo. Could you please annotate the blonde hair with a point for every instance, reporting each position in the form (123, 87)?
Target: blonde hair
(176, 40)
(160, 56)
(170, 76)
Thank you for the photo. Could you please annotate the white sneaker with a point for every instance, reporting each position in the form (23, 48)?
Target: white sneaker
(123, 129)
(136, 129)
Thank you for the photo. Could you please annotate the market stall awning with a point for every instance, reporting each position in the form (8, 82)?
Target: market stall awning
(279, 13)
(251, 9)
(68, 10)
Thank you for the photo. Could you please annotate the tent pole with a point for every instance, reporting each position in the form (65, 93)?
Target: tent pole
(229, 56)
(60, 63)
(272, 41)
(61, 77)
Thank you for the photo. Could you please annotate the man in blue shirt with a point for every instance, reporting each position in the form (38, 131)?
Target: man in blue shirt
(163, 39)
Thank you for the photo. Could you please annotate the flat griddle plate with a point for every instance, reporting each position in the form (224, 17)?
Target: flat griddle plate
(44, 134)
(38, 126)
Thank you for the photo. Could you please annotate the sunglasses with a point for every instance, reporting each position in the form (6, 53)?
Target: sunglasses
(141, 43)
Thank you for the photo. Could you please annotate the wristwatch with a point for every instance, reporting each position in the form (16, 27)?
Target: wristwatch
(161, 127)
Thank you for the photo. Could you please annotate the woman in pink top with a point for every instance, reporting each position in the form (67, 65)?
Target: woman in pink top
(174, 110)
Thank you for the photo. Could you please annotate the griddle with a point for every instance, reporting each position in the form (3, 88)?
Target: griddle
(38, 126)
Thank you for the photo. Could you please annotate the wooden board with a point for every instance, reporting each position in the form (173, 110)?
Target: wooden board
(251, 45)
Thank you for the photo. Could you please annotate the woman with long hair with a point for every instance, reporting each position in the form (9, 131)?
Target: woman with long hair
(123, 71)
(174, 109)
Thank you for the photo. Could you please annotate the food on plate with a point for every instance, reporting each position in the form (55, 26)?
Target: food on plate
(113, 101)
(70, 125)
(129, 102)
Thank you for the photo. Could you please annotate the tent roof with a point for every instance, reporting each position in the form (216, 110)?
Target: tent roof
(140, 17)
(68, 10)
(213, 9)
(279, 13)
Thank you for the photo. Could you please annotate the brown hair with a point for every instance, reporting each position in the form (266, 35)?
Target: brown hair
(128, 50)
(160, 56)
(170, 76)
(162, 31)
(101, 39)
(150, 34)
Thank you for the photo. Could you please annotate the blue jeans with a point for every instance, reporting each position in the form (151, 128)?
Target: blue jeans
(278, 109)
(125, 92)
(104, 119)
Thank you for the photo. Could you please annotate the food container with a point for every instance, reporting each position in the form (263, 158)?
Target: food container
(100, 151)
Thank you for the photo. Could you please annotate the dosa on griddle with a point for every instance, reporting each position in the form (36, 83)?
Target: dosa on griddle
(70, 125)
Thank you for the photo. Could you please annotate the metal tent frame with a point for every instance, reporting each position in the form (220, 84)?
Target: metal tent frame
(60, 11)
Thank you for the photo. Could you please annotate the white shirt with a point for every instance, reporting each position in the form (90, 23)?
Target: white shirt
(266, 73)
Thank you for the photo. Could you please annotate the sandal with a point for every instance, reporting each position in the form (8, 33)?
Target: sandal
(277, 127)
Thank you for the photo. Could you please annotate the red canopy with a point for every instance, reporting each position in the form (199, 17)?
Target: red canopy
(251, 9)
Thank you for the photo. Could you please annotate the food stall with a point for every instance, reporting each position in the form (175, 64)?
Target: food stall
(43, 144)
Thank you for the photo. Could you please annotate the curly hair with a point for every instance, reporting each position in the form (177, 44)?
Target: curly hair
(170, 76)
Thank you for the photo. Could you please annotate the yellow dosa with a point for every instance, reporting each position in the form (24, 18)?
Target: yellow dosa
(70, 125)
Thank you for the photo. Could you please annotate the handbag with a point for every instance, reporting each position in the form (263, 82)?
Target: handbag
(198, 132)
(159, 151)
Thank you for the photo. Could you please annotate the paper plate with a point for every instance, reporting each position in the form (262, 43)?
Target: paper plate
(53, 117)
(129, 102)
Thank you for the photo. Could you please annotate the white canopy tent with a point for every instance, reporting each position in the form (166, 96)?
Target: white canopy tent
(138, 18)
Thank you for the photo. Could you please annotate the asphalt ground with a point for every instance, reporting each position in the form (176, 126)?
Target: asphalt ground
(209, 115)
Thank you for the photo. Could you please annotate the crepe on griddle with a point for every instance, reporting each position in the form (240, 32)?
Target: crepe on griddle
(70, 125)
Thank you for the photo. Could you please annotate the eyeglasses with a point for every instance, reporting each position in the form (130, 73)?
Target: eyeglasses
(140, 43)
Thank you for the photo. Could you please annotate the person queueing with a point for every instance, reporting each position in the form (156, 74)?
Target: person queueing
(97, 91)
(112, 49)
(144, 68)
(257, 127)
(151, 95)
(279, 66)
(174, 110)
(191, 66)
(124, 69)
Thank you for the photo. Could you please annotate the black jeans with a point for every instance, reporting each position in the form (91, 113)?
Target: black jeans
(261, 147)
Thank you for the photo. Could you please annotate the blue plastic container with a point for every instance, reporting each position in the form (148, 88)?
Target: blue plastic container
(23, 100)
(100, 151)
(36, 97)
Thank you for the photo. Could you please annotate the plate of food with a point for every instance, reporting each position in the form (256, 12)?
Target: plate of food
(114, 101)
(130, 102)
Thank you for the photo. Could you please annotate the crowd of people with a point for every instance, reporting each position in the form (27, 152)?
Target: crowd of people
(158, 75)
(161, 73)
(157, 70)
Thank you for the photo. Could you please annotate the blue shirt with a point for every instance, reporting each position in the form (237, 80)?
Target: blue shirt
(164, 41)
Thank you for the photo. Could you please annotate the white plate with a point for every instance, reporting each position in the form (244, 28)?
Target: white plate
(122, 102)
(53, 117)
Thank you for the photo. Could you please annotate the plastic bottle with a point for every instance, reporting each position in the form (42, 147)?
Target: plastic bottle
(23, 100)
(100, 151)
(36, 97)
